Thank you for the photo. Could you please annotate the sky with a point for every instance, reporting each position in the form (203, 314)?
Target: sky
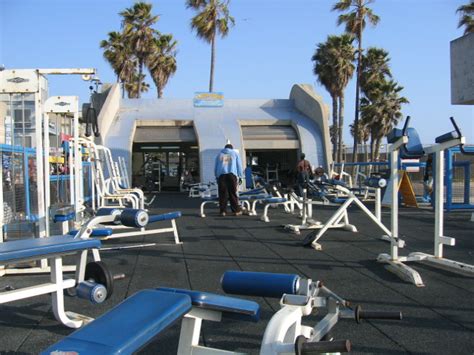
(267, 51)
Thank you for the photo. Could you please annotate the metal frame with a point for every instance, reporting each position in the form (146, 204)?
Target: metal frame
(395, 262)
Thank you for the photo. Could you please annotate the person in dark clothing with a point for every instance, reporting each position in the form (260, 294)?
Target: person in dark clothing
(228, 172)
(303, 170)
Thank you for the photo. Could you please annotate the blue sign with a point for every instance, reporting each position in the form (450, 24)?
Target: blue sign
(208, 99)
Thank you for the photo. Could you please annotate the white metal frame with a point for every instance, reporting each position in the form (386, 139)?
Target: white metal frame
(283, 328)
(396, 263)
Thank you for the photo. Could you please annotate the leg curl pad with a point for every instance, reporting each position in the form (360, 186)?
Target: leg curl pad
(262, 284)
(134, 218)
(107, 211)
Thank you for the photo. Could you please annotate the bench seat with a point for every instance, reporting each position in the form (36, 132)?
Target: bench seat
(231, 307)
(164, 217)
(96, 232)
(37, 248)
(127, 327)
(64, 217)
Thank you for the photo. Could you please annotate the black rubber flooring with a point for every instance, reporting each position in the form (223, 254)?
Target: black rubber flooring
(438, 319)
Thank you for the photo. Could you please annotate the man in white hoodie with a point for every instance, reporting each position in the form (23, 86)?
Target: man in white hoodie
(228, 172)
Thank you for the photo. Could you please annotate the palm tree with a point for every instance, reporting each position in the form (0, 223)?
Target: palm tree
(137, 83)
(467, 17)
(381, 111)
(333, 65)
(137, 22)
(355, 21)
(162, 61)
(213, 19)
(374, 68)
(120, 57)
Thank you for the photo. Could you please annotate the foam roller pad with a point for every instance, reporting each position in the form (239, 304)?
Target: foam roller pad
(134, 218)
(263, 284)
(107, 211)
(376, 182)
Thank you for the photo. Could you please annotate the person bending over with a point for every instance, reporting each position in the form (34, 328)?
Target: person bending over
(228, 172)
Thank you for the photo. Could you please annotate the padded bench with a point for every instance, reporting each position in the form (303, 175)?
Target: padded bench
(128, 326)
(39, 248)
(53, 249)
(230, 307)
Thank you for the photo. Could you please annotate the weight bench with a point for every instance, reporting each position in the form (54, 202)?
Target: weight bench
(136, 219)
(127, 327)
(53, 249)
(133, 323)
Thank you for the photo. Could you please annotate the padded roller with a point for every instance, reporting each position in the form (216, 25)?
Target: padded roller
(376, 182)
(107, 211)
(134, 218)
(447, 137)
(262, 284)
(91, 291)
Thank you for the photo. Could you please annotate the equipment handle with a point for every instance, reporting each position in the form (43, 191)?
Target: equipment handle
(405, 126)
(361, 314)
(305, 347)
(456, 127)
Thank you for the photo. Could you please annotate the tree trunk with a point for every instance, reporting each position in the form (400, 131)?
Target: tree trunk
(377, 147)
(366, 152)
(335, 126)
(357, 103)
(213, 50)
(372, 148)
(340, 128)
(159, 91)
(140, 72)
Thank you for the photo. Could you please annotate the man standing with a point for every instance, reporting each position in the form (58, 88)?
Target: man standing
(228, 172)
(304, 170)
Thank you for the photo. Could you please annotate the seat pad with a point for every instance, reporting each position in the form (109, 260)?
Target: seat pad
(230, 307)
(128, 326)
(37, 248)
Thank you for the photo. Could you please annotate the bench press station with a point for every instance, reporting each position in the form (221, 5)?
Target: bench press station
(136, 321)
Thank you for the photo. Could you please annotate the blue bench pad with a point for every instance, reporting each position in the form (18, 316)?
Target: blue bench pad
(255, 197)
(64, 217)
(164, 217)
(42, 247)
(96, 232)
(128, 326)
(253, 191)
(276, 200)
(230, 307)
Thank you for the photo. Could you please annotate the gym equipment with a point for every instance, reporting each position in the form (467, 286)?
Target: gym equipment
(307, 213)
(130, 325)
(407, 142)
(341, 213)
(54, 249)
(134, 219)
(245, 198)
(27, 133)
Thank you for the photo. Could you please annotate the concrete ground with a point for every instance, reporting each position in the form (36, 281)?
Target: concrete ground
(438, 318)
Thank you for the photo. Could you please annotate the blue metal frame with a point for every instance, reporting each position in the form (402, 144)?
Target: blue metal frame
(450, 164)
(27, 153)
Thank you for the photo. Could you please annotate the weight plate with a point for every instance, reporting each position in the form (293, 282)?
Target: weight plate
(98, 272)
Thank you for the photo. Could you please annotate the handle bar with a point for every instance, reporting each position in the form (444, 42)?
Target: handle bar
(458, 131)
(405, 126)
(305, 347)
(361, 314)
